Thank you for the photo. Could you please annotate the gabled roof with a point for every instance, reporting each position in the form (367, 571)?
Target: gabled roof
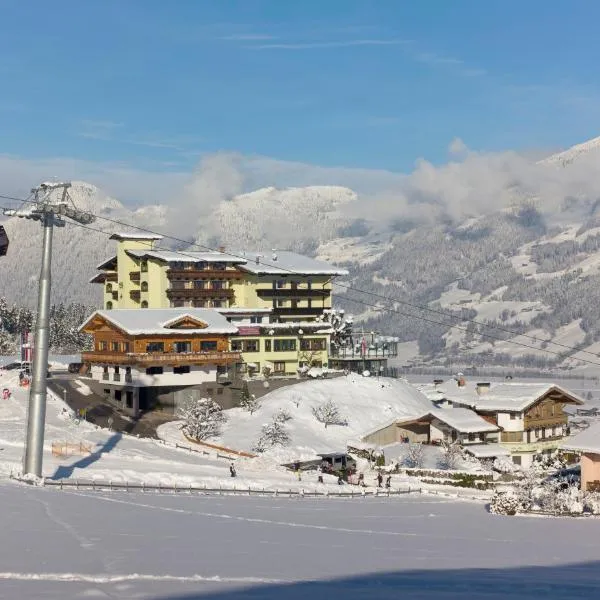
(501, 396)
(170, 256)
(156, 321)
(287, 263)
(586, 441)
(463, 420)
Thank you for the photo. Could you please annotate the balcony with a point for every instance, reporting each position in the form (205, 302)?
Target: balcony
(202, 274)
(135, 276)
(135, 295)
(166, 358)
(199, 293)
(286, 310)
(537, 422)
(292, 293)
(371, 352)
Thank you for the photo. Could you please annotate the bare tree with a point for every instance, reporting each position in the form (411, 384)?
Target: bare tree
(415, 456)
(451, 455)
(272, 434)
(202, 418)
(329, 414)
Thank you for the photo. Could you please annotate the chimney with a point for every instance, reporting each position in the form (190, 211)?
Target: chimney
(482, 388)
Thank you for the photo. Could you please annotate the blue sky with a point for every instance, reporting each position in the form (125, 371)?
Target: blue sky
(155, 85)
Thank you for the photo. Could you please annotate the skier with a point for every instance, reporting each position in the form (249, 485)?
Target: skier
(388, 482)
(232, 470)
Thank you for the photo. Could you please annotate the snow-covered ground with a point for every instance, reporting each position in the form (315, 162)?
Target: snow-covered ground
(365, 402)
(122, 458)
(60, 545)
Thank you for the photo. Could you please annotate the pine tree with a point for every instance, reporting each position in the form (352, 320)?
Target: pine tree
(249, 401)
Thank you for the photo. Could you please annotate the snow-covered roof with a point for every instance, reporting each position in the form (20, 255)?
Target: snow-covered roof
(486, 450)
(156, 321)
(135, 236)
(100, 278)
(171, 256)
(499, 396)
(244, 311)
(108, 264)
(586, 441)
(287, 263)
(463, 420)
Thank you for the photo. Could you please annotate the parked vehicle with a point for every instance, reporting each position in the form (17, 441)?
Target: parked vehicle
(75, 367)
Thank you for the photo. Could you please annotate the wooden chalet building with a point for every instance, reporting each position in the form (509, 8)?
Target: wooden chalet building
(144, 357)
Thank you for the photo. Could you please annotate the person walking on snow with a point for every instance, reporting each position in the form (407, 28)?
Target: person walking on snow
(388, 482)
(379, 479)
(232, 470)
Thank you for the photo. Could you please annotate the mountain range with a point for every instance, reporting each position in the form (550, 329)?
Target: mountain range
(519, 284)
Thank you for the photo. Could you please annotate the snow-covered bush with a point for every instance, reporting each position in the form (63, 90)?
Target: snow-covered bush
(282, 415)
(502, 464)
(505, 503)
(451, 455)
(202, 418)
(329, 414)
(415, 456)
(272, 434)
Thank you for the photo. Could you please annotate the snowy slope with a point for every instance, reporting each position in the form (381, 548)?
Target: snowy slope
(365, 402)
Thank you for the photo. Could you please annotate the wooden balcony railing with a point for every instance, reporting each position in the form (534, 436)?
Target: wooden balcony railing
(199, 293)
(202, 274)
(151, 358)
(292, 293)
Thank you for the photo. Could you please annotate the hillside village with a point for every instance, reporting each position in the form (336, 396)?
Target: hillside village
(243, 355)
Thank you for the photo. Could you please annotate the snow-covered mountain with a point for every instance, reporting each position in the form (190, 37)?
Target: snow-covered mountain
(517, 268)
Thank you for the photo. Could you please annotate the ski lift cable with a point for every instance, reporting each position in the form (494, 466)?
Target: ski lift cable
(378, 307)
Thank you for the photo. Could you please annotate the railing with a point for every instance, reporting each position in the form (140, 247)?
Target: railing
(286, 310)
(202, 274)
(134, 275)
(160, 358)
(199, 293)
(292, 293)
(357, 353)
(227, 491)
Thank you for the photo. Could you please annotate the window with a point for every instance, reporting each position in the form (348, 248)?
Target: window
(199, 284)
(109, 287)
(471, 437)
(118, 395)
(177, 303)
(511, 436)
(219, 391)
(513, 416)
(144, 266)
(126, 346)
(144, 304)
(182, 370)
(217, 285)
(208, 346)
(180, 347)
(114, 346)
(281, 303)
(109, 305)
(250, 346)
(312, 344)
(256, 319)
(267, 345)
(279, 284)
(117, 371)
(516, 460)
(217, 303)
(155, 347)
(178, 284)
(279, 367)
(144, 286)
(154, 371)
(285, 345)
(236, 345)
(103, 345)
